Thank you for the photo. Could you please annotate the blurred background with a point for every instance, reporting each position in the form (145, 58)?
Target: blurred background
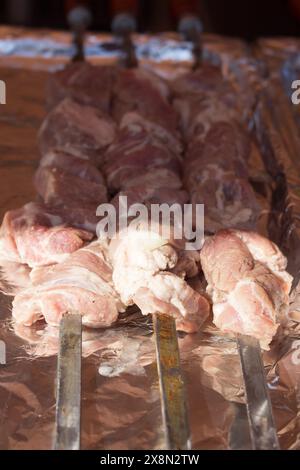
(245, 18)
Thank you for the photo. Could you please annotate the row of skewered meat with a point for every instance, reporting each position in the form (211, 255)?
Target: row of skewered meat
(112, 132)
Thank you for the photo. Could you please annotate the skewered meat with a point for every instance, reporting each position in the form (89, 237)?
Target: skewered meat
(72, 165)
(154, 178)
(142, 264)
(36, 236)
(57, 187)
(124, 164)
(148, 195)
(218, 151)
(134, 123)
(82, 131)
(140, 149)
(247, 282)
(81, 284)
(85, 83)
(235, 148)
(141, 91)
(228, 201)
(203, 98)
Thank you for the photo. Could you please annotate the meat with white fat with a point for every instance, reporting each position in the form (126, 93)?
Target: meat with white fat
(37, 236)
(81, 284)
(248, 283)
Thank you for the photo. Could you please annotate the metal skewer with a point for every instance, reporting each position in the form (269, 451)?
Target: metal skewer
(79, 18)
(259, 409)
(191, 28)
(68, 398)
(123, 25)
(172, 389)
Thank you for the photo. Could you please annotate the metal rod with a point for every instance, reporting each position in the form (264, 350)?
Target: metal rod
(190, 26)
(123, 25)
(173, 398)
(79, 18)
(259, 408)
(68, 397)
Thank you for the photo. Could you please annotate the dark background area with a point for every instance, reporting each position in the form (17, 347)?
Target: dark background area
(245, 18)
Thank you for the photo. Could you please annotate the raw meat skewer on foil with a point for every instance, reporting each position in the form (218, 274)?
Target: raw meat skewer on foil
(218, 151)
(68, 399)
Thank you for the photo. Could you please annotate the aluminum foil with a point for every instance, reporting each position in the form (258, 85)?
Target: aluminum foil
(120, 394)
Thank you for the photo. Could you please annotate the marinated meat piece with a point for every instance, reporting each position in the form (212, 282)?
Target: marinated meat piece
(73, 165)
(226, 145)
(134, 123)
(142, 262)
(13, 277)
(141, 91)
(139, 155)
(82, 284)
(202, 98)
(203, 81)
(199, 114)
(247, 282)
(34, 236)
(82, 131)
(85, 83)
(156, 178)
(57, 187)
(148, 195)
(228, 201)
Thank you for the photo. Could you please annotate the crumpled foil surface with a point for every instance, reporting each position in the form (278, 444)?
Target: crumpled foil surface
(120, 393)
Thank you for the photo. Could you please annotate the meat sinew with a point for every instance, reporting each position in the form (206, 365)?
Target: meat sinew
(81, 284)
(247, 282)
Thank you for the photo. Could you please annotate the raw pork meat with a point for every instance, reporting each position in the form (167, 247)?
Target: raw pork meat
(85, 83)
(72, 165)
(80, 284)
(143, 261)
(36, 236)
(247, 282)
(57, 187)
(82, 131)
(141, 91)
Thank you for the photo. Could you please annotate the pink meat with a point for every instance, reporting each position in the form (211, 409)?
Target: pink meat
(72, 165)
(141, 91)
(141, 155)
(32, 236)
(57, 187)
(229, 201)
(82, 131)
(85, 83)
(144, 265)
(81, 284)
(148, 195)
(156, 179)
(247, 282)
